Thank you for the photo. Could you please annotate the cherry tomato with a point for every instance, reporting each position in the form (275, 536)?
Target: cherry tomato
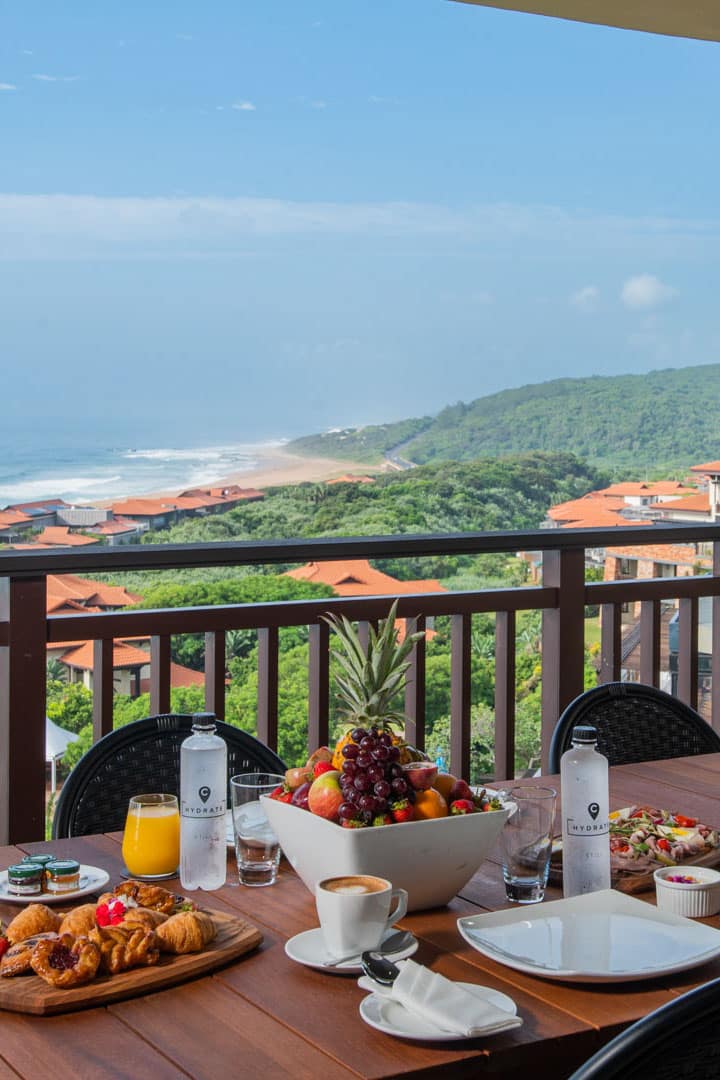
(663, 844)
(685, 822)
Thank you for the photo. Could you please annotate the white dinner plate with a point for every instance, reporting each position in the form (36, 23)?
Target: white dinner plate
(309, 948)
(92, 879)
(394, 1019)
(604, 936)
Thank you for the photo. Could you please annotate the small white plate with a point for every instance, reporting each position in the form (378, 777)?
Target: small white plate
(92, 879)
(394, 1019)
(604, 936)
(309, 948)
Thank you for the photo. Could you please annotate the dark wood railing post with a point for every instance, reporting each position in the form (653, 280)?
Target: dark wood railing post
(650, 642)
(460, 694)
(319, 686)
(505, 695)
(159, 674)
(23, 691)
(267, 719)
(687, 689)
(715, 660)
(215, 672)
(610, 642)
(103, 690)
(563, 638)
(415, 687)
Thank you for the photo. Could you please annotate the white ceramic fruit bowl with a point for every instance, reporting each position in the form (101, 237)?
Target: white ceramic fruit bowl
(432, 860)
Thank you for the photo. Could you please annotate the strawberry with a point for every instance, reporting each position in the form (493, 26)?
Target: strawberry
(4, 945)
(401, 810)
(382, 819)
(353, 823)
(462, 806)
(321, 767)
(282, 793)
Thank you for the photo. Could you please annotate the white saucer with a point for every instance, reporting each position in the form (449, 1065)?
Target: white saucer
(392, 1018)
(309, 948)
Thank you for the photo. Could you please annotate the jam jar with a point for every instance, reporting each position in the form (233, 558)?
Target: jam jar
(63, 875)
(25, 879)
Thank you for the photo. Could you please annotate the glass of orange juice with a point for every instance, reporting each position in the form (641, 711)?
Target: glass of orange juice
(151, 842)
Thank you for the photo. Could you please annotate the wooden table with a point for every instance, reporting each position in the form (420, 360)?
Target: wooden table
(267, 1016)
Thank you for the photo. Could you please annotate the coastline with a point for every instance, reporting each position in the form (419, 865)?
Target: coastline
(275, 468)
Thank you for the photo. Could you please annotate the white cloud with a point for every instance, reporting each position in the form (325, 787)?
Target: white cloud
(586, 298)
(27, 52)
(318, 104)
(244, 106)
(56, 78)
(7, 86)
(184, 37)
(374, 99)
(645, 291)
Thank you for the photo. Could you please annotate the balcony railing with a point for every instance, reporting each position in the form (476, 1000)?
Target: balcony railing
(26, 631)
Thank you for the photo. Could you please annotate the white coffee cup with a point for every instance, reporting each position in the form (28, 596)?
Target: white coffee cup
(354, 911)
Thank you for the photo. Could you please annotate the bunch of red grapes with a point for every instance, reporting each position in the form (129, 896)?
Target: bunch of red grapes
(372, 776)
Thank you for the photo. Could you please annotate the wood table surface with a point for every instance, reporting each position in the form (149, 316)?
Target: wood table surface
(265, 1015)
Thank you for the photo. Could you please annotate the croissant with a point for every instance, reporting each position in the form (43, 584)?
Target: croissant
(66, 961)
(142, 916)
(34, 919)
(16, 960)
(78, 922)
(149, 896)
(122, 948)
(186, 932)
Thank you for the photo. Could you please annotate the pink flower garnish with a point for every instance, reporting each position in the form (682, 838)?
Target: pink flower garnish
(111, 913)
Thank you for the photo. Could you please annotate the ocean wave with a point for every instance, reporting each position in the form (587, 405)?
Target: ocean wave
(53, 486)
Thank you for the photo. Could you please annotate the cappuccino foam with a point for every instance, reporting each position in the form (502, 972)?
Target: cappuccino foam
(355, 885)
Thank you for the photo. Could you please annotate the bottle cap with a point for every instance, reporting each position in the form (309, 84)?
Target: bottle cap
(585, 733)
(204, 721)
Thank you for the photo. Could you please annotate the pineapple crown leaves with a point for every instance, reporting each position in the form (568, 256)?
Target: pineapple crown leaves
(370, 680)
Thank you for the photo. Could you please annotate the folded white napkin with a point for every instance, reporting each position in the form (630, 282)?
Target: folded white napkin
(442, 1002)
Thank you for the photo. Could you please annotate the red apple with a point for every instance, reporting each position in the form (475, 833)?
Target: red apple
(325, 795)
(420, 774)
(295, 778)
(460, 790)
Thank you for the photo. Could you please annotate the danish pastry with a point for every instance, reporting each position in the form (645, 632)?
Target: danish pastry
(149, 896)
(123, 948)
(66, 961)
(16, 960)
(186, 932)
(34, 919)
(142, 916)
(78, 922)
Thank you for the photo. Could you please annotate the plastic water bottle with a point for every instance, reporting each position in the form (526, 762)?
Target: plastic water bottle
(203, 796)
(585, 809)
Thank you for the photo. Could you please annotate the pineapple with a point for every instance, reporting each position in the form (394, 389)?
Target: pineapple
(369, 682)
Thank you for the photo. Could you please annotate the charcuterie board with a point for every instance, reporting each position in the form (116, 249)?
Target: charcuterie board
(31, 994)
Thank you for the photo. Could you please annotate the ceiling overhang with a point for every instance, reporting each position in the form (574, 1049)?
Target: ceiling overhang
(678, 18)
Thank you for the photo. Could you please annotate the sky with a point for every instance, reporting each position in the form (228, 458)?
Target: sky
(246, 221)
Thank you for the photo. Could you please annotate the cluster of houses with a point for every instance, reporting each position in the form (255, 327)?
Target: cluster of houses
(51, 522)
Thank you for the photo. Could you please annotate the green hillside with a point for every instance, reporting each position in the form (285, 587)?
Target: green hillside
(658, 422)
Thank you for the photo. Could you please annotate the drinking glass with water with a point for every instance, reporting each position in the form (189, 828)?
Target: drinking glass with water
(256, 846)
(527, 843)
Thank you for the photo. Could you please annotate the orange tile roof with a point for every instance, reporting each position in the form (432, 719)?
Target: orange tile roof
(708, 467)
(587, 504)
(123, 656)
(698, 504)
(60, 536)
(356, 577)
(678, 554)
(112, 528)
(14, 517)
(657, 487)
(143, 507)
(69, 587)
(598, 519)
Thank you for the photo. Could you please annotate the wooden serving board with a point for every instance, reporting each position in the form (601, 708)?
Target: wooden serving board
(639, 883)
(31, 994)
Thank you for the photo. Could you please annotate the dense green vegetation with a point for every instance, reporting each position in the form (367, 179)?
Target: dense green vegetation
(643, 424)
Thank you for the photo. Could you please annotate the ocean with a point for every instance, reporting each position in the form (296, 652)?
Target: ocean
(87, 474)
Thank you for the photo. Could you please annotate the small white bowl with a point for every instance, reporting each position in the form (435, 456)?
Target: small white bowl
(695, 900)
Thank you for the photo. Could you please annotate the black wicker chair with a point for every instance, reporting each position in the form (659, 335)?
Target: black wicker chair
(681, 1041)
(139, 757)
(634, 723)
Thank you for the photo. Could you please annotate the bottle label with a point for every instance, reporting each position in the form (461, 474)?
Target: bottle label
(208, 805)
(590, 827)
